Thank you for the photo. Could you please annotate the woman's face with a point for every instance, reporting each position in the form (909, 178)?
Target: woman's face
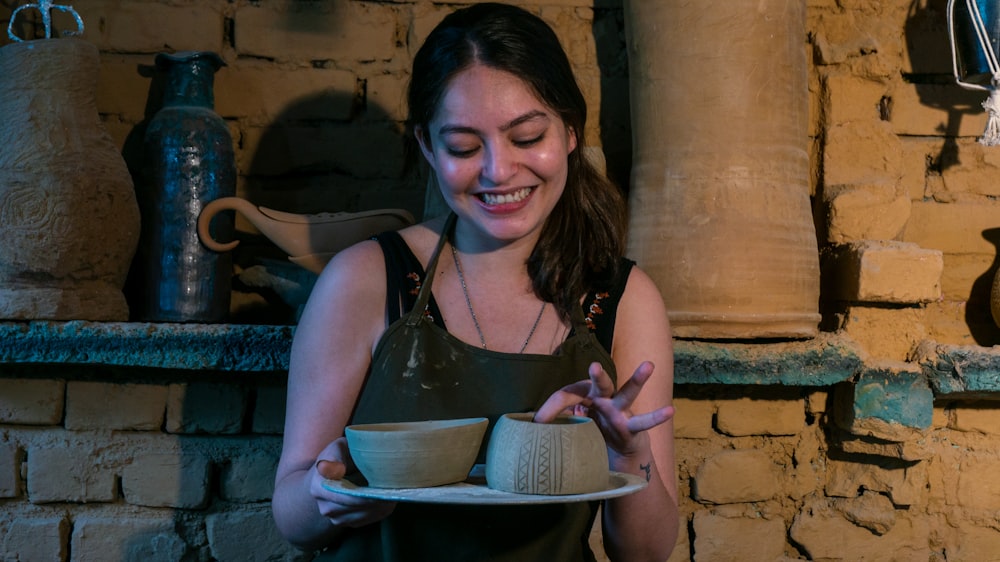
(500, 154)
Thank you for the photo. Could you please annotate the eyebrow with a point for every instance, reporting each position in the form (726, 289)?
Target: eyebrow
(534, 114)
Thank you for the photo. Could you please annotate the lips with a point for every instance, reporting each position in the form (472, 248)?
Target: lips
(505, 198)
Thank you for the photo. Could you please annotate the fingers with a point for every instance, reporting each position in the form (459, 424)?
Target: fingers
(617, 406)
(566, 397)
(334, 463)
(373, 510)
(343, 454)
(603, 387)
(649, 420)
(331, 470)
(630, 390)
(350, 511)
(598, 395)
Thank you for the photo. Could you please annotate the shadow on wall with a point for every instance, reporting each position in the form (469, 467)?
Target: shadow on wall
(309, 162)
(336, 151)
(929, 48)
(928, 42)
(326, 152)
(978, 313)
(615, 111)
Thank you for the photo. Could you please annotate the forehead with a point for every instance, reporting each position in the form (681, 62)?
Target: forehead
(483, 94)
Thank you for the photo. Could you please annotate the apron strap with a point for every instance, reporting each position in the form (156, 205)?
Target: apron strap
(417, 312)
(578, 321)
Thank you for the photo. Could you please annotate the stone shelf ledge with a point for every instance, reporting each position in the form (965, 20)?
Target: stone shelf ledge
(948, 370)
(822, 361)
(265, 348)
(957, 371)
(215, 347)
(875, 398)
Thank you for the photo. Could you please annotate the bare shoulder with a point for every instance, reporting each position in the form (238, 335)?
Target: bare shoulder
(641, 292)
(642, 328)
(353, 283)
(354, 272)
(422, 238)
(362, 265)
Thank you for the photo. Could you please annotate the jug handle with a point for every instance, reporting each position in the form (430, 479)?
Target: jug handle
(215, 207)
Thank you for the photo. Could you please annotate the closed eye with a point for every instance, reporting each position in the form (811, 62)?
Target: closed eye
(529, 142)
(459, 153)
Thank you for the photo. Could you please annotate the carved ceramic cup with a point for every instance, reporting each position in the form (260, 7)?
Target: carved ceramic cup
(566, 456)
(416, 454)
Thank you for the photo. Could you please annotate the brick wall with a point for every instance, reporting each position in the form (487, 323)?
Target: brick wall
(97, 467)
(99, 464)
(897, 161)
(769, 475)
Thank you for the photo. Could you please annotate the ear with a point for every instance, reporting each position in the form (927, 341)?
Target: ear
(424, 142)
(572, 141)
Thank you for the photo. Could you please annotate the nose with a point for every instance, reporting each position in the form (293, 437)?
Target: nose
(499, 165)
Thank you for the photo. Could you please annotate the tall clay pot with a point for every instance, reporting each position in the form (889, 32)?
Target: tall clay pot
(189, 162)
(720, 210)
(69, 222)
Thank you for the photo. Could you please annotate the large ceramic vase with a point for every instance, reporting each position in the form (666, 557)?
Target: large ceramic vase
(188, 162)
(69, 222)
(721, 217)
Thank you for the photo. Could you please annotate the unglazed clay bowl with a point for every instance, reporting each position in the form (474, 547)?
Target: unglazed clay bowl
(416, 454)
(566, 456)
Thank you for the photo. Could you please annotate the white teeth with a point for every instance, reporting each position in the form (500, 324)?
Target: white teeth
(494, 199)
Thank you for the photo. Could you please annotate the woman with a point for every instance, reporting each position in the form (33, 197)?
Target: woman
(519, 300)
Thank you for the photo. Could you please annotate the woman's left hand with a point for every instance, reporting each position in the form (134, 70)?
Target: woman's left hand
(596, 398)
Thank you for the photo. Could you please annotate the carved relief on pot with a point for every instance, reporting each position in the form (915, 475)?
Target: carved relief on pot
(68, 214)
(566, 456)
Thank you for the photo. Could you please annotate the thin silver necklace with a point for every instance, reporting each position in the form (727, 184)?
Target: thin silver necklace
(468, 302)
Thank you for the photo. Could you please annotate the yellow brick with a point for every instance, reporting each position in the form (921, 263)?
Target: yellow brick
(693, 419)
(983, 417)
(953, 228)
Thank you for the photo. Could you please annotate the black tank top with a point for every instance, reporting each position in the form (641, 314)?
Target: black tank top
(405, 276)
(419, 371)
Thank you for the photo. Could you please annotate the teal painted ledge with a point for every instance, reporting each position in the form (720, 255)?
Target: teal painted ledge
(821, 361)
(958, 371)
(263, 348)
(902, 394)
(216, 347)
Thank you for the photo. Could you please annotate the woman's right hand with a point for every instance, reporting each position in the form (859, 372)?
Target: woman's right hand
(333, 463)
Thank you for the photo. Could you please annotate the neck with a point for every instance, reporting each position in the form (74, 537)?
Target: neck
(502, 271)
(480, 247)
(472, 312)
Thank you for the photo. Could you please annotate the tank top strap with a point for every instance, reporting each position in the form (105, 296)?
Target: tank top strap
(395, 271)
(600, 306)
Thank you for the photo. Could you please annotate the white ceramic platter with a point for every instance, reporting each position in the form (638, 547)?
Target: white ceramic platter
(473, 491)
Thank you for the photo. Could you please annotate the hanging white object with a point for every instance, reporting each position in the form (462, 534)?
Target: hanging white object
(45, 7)
(974, 55)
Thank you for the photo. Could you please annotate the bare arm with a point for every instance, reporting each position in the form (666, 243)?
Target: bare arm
(636, 420)
(331, 353)
(644, 525)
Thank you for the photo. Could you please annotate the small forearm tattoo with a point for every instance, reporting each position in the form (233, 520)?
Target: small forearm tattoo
(646, 468)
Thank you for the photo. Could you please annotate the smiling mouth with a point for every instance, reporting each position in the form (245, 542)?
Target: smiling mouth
(505, 198)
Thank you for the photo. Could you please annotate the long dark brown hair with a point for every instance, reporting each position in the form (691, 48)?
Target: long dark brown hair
(584, 237)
